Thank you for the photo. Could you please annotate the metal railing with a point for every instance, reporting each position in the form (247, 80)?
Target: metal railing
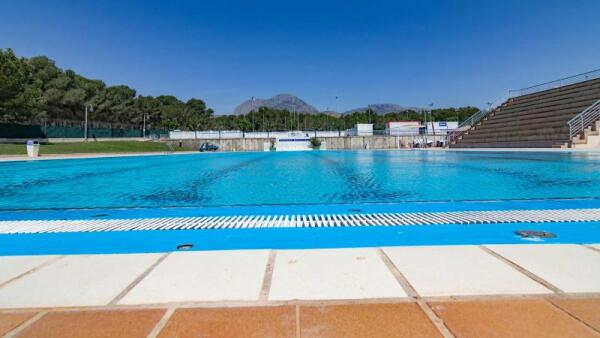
(473, 119)
(584, 119)
(594, 74)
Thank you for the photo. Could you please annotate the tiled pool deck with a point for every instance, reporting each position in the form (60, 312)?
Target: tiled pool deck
(537, 290)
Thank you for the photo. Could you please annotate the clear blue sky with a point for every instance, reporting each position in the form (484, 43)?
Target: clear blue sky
(450, 53)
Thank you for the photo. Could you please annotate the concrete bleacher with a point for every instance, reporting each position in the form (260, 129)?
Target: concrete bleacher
(536, 120)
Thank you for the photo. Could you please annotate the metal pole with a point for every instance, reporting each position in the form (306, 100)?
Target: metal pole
(144, 129)
(425, 136)
(85, 124)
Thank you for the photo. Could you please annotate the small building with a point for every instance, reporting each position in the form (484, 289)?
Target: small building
(402, 128)
(293, 141)
(362, 129)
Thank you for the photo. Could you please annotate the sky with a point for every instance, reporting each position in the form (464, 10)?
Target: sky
(414, 52)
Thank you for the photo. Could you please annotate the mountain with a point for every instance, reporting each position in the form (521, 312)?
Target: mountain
(281, 101)
(380, 109)
(331, 113)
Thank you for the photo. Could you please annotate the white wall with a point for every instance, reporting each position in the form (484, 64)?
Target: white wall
(232, 134)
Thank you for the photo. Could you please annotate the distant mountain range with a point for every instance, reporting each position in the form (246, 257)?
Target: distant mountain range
(281, 101)
(380, 108)
(293, 103)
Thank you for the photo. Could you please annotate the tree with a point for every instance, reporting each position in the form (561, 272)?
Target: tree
(20, 93)
(197, 116)
(35, 88)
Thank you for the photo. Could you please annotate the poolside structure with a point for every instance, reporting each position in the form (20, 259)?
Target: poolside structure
(562, 113)
(292, 141)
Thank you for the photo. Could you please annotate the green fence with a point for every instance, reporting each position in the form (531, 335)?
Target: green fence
(39, 131)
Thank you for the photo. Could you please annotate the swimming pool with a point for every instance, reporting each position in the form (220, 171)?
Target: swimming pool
(297, 178)
(302, 199)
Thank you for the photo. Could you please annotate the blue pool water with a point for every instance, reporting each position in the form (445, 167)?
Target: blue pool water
(297, 178)
(317, 182)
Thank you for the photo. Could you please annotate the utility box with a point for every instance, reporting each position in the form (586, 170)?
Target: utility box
(33, 148)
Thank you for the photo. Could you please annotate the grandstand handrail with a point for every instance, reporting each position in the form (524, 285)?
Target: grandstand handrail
(593, 74)
(584, 119)
(468, 123)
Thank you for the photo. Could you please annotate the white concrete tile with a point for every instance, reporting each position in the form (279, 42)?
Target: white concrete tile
(571, 268)
(332, 274)
(459, 270)
(12, 266)
(83, 280)
(203, 276)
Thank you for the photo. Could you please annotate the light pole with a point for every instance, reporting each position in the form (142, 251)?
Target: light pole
(144, 129)
(252, 112)
(426, 126)
(85, 130)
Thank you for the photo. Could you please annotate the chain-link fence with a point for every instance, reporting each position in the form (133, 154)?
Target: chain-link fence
(73, 129)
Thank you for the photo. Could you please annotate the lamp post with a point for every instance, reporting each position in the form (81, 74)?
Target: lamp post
(144, 129)
(252, 112)
(426, 125)
(85, 130)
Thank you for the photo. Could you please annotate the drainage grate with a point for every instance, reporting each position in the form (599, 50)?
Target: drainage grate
(186, 246)
(303, 221)
(534, 234)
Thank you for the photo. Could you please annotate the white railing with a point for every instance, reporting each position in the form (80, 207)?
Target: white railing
(584, 119)
(594, 74)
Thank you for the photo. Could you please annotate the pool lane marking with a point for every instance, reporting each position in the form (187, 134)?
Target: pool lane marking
(300, 221)
(136, 281)
(523, 270)
(414, 295)
(30, 271)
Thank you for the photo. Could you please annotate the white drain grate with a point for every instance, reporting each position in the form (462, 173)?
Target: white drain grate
(302, 221)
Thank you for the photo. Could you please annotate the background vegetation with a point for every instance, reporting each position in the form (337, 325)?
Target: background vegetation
(35, 89)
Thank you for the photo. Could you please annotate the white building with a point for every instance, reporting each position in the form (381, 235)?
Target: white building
(362, 129)
(293, 141)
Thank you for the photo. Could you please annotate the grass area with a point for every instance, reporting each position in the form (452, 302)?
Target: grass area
(92, 147)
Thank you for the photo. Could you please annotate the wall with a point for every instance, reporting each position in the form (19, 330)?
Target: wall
(230, 134)
(331, 143)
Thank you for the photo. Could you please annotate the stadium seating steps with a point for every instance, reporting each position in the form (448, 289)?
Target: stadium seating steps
(536, 120)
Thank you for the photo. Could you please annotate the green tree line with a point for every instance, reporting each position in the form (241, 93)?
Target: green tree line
(33, 89)
(268, 119)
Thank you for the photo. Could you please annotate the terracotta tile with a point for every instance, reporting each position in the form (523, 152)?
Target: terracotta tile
(585, 309)
(10, 320)
(366, 320)
(91, 324)
(261, 322)
(509, 318)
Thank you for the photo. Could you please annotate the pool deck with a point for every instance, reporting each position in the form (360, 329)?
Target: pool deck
(527, 290)
(14, 158)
